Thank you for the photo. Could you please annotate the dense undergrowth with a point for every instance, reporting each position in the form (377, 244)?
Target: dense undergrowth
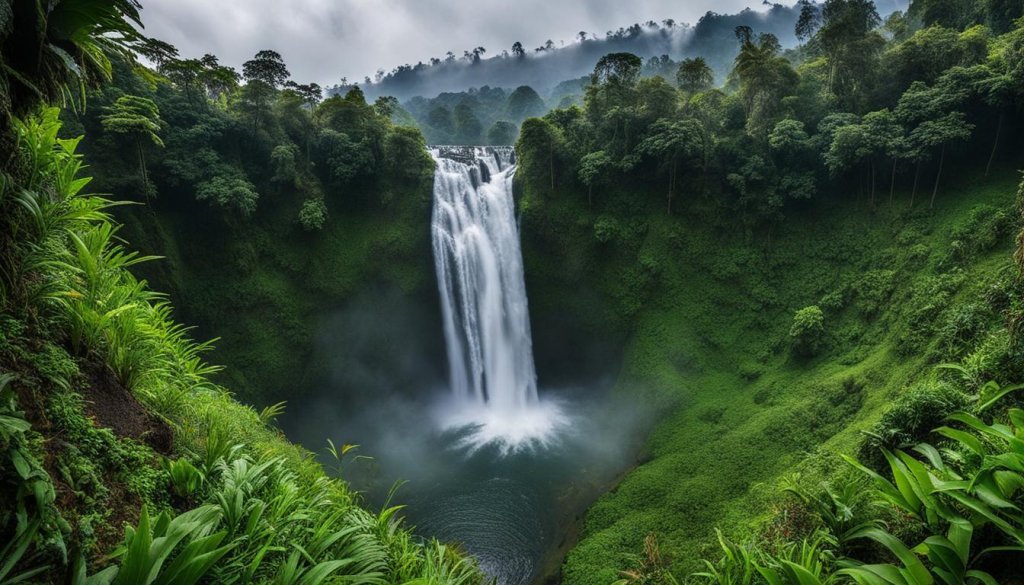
(108, 417)
(787, 306)
(899, 291)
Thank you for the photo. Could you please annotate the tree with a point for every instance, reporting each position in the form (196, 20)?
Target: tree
(441, 119)
(217, 79)
(405, 154)
(790, 141)
(939, 133)
(539, 140)
(764, 78)
(593, 170)
(231, 192)
(524, 103)
(710, 111)
(694, 76)
(925, 56)
(352, 116)
(263, 74)
(1001, 14)
(673, 142)
(809, 21)
(468, 128)
(518, 50)
(934, 114)
(313, 214)
(948, 13)
(887, 139)
(282, 159)
(138, 118)
(656, 99)
(612, 101)
(807, 333)
(860, 143)
(156, 51)
(344, 159)
(848, 147)
(1000, 89)
(184, 73)
(267, 67)
(386, 106)
(851, 46)
(502, 133)
(617, 69)
(310, 93)
(474, 56)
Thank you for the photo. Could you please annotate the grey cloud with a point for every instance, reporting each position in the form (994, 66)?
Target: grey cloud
(323, 40)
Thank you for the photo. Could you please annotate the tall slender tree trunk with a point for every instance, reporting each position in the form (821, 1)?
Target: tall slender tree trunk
(938, 176)
(142, 170)
(995, 144)
(917, 175)
(892, 183)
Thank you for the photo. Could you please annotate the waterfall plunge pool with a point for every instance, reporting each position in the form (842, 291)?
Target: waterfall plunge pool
(515, 509)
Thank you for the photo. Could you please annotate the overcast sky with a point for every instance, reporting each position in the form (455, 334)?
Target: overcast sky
(323, 40)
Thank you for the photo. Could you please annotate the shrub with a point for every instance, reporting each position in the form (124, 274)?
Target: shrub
(929, 297)
(606, 229)
(313, 214)
(962, 326)
(808, 331)
(914, 414)
(874, 289)
(231, 192)
(835, 300)
(979, 232)
(282, 160)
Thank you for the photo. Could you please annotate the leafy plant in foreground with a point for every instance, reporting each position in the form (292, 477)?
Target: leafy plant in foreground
(30, 487)
(151, 545)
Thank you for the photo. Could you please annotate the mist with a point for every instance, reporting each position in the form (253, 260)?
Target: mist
(511, 511)
(544, 67)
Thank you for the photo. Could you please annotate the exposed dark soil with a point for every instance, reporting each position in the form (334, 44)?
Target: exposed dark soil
(113, 406)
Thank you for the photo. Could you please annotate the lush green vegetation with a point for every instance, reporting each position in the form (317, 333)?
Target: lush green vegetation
(806, 266)
(280, 205)
(793, 307)
(109, 421)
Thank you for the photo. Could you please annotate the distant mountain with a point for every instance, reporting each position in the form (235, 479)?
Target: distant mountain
(543, 68)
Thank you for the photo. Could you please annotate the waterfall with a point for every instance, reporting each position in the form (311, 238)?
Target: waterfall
(483, 299)
(480, 277)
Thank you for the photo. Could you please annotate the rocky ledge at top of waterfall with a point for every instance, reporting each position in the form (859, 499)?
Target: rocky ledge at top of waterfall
(505, 156)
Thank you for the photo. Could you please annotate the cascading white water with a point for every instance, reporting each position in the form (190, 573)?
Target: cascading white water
(483, 299)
